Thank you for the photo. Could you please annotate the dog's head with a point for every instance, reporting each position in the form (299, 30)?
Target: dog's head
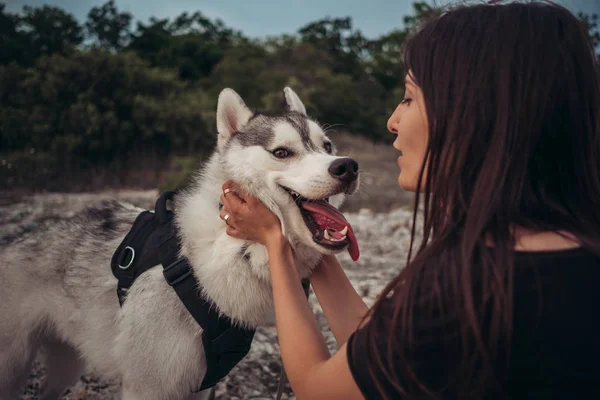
(288, 162)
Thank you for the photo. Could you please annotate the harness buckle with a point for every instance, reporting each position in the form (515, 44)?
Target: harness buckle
(126, 266)
(177, 271)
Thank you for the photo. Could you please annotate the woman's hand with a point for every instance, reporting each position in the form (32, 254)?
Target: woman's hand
(247, 218)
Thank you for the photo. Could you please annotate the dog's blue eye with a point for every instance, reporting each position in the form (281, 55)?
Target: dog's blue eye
(281, 153)
(327, 147)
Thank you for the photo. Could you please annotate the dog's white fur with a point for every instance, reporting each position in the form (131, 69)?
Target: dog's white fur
(57, 290)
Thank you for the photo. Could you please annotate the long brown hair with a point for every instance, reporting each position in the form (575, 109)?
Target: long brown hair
(512, 96)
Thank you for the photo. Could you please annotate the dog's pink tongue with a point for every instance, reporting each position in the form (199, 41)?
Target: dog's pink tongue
(327, 216)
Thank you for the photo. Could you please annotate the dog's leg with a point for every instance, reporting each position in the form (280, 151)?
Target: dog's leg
(135, 392)
(64, 366)
(16, 357)
(128, 394)
(208, 394)
(133, 388)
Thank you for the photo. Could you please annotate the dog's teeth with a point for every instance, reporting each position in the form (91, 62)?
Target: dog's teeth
(340, 239)
(328, 237)
(344, 231)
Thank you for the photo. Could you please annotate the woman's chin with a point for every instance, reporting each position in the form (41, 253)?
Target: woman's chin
(406, 184)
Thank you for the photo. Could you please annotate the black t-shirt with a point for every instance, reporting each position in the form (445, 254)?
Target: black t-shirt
(555, 348)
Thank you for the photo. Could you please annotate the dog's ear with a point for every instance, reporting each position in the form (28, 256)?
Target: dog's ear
(293, 101)
(232, 115)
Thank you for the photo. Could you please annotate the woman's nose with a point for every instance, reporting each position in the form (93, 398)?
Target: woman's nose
(393, 122)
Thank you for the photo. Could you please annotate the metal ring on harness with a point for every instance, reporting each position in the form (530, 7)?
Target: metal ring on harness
(130, 261)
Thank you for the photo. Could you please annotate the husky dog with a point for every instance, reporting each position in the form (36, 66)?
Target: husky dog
(57, 289)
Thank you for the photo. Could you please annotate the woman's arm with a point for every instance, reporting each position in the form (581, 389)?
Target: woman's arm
(312, 372)
(342, 306)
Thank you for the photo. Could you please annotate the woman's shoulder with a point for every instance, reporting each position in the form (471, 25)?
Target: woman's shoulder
(551, 252)
(563, 262)
(565, 276)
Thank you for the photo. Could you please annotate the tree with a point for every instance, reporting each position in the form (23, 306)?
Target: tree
(49, 30)
(36, 32)
(100, 107)
(191, 43)
(12, 42)
(385, 59)
(346, 46)
(421, 11)
(108, 28)
(245, 68)
(591, 22)
(14, 107)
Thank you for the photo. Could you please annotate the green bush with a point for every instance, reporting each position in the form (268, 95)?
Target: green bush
(99, 107)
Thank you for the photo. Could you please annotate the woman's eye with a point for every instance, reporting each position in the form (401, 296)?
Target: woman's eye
(327, 147)
(282, 153)
(406, 101)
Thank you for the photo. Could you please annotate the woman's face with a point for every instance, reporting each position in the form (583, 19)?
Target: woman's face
(409, 123)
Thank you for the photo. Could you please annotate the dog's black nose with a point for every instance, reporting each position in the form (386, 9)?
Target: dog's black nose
(344, 169)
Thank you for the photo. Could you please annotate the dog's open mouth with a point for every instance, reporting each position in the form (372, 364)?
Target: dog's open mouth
(327, 224)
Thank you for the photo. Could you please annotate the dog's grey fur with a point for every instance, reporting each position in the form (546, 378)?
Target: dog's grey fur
(57, 289)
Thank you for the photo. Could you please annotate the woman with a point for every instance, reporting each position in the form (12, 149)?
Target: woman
(500, 133)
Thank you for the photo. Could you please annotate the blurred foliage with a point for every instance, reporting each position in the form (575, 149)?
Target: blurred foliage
(108, 28)
(101, 92)
(99, 106)
(182, 171)
(591, 21)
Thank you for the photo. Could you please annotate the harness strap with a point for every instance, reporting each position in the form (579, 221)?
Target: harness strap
(127, 262)
(224, 344)
(153, 240)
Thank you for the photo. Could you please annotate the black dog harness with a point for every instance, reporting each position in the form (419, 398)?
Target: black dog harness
(152, 240)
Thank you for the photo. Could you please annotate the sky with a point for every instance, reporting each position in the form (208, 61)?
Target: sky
(261, 18)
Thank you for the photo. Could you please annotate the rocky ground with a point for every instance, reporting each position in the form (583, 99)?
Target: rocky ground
(383, 239)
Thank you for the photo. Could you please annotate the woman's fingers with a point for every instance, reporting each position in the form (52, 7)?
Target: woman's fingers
(231, 231)
(223, 214)
(231, 196)
(226, 216)
(246, 215)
